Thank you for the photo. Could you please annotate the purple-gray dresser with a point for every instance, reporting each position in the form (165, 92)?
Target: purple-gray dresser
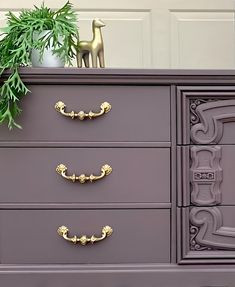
(120, 178)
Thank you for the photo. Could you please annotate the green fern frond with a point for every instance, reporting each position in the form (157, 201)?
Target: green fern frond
(17, 43)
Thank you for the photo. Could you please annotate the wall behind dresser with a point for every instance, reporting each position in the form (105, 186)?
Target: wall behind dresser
(156, 33)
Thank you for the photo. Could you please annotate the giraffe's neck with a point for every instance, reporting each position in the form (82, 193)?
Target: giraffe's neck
(97, 36)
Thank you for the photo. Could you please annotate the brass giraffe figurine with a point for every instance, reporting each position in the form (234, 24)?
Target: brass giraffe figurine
(95, 47)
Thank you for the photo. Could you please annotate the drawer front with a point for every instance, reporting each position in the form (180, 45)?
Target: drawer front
(208, 175)
(138, 175)
(139, 113)
(30, 236)
(208, 234)
(206, 115)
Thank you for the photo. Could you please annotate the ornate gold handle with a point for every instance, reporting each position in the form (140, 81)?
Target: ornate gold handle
(82, 178)
(83, 240)
(104, 109)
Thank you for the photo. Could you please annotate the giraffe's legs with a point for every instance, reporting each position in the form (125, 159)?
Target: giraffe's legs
(101, 58)
(86, 60)
(94, 59)
(79, 59)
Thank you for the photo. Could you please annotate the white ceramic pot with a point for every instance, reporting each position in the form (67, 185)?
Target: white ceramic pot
(49, 59)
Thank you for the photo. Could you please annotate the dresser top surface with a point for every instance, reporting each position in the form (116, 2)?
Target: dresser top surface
(128, 71)
(126, 76)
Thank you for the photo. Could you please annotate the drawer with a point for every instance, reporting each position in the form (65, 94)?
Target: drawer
(30, 236)
(207, 234)
(139, 113)
(29, 175)
(206, 115)
(208, 175)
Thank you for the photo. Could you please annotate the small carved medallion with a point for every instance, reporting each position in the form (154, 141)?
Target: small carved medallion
(201, 176)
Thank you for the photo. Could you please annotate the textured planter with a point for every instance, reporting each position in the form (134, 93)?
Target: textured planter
(49, 59)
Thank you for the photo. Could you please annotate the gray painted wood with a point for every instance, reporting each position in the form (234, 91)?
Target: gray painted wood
(139, 175)
(81, 206)
(84, 144)
(206, 114)
(125, 275)
(173, 175)
(126, 76)
(140, 131)
(131, 118)
(30, 236)
(205, 192)
(206, 235)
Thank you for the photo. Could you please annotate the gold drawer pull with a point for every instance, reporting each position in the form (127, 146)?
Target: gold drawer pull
(83, 240)
(104, 109)
(82, 178)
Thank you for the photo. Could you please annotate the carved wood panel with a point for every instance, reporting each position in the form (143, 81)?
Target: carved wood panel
(207, 235)
(205, 175)
(212, 117)
(193, 104)
(207, 124)
(206, 115)
(212, 233)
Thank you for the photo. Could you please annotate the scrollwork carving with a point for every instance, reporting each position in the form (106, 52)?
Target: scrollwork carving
(211, 233)
(194, 245)
(194, 117)
(205, 175)
(211, 118)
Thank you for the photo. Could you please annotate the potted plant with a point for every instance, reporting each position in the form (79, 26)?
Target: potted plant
(56, 31)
